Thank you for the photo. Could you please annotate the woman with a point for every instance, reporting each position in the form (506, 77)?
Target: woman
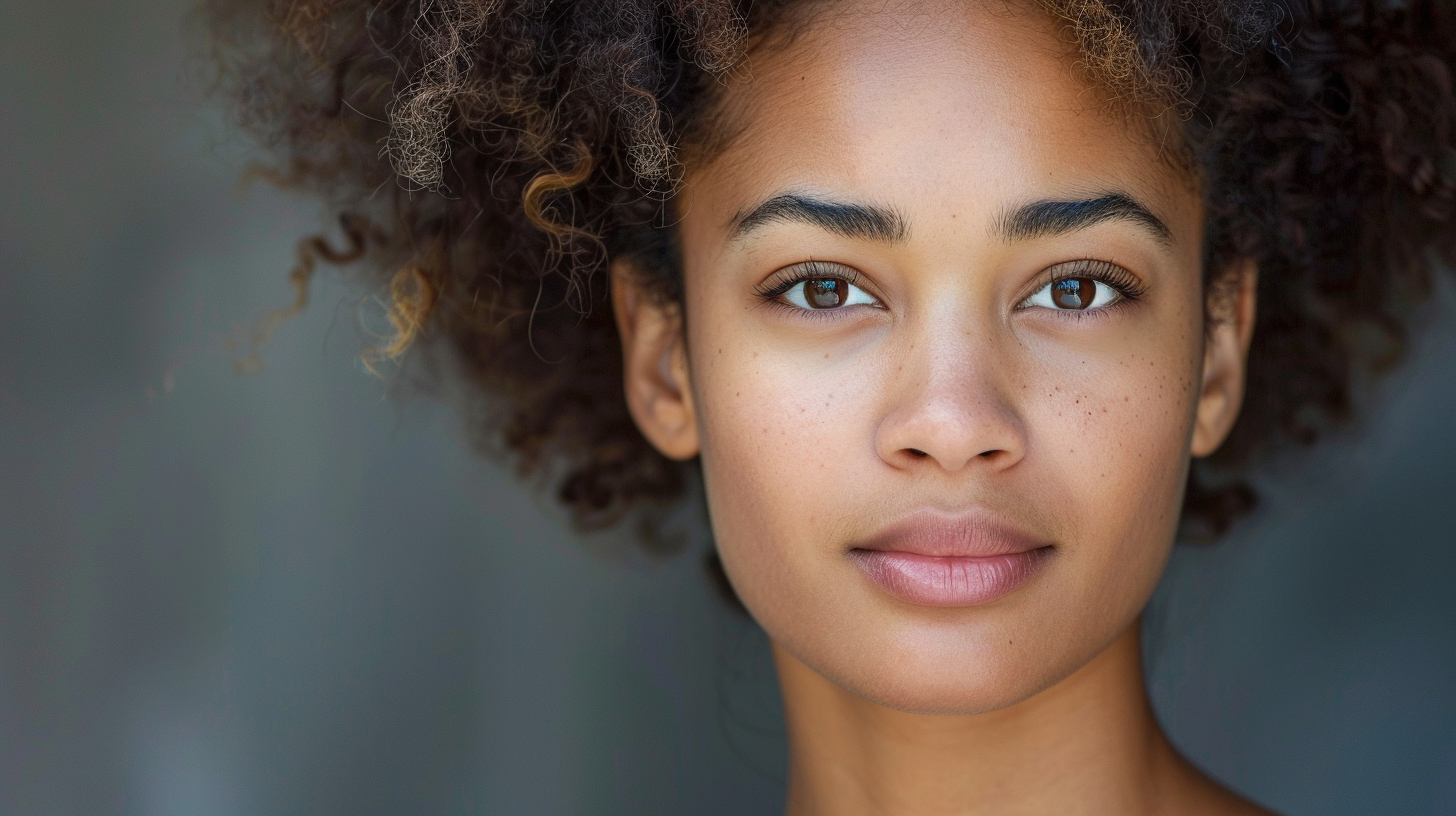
(954, 307)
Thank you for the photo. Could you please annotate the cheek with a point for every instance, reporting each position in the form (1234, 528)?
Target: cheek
(774, 424)
(781, 435)
(1118, 429)
(1109, 443)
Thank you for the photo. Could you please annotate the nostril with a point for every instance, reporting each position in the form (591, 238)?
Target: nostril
(918, 454)
(986, 454)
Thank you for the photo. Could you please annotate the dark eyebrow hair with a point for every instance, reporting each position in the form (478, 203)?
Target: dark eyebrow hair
(850, 220)
(1044, 218)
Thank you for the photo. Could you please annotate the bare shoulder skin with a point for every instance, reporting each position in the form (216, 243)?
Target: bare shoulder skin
(943, 355)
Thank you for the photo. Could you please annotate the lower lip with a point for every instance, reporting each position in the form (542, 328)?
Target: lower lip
(932, 580)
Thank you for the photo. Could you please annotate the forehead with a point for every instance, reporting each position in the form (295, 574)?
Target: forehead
(963, 105)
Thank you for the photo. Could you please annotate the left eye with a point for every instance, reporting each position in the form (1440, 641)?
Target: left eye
(826, 293)
(1073, 295)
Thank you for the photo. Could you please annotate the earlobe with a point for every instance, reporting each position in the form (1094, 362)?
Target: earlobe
(1225, 362)
(654, 365)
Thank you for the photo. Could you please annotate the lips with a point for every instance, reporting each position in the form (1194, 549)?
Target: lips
(931, 559)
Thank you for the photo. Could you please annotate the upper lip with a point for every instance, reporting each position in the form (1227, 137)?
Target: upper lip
(965, 535)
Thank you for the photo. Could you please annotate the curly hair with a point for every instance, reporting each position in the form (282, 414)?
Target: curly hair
(490, 158)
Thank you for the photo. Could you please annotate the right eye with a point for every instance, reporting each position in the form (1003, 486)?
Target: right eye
(819, 294)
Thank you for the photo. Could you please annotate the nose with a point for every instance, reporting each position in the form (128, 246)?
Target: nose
(949, 405)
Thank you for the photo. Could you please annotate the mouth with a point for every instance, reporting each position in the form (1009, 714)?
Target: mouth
(931, 559)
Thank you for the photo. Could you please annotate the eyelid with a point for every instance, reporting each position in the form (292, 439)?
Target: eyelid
(1128, 286)
(788, 277)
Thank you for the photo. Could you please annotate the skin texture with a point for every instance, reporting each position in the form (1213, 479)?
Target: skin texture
(945, 391)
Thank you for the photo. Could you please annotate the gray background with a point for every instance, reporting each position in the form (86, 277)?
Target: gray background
(286, 593)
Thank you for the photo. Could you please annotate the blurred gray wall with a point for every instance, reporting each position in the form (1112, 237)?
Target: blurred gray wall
(286, 593)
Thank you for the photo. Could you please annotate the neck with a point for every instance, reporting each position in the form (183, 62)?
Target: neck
(1088, 745)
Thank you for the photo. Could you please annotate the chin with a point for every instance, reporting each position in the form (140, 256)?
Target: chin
(945, 672)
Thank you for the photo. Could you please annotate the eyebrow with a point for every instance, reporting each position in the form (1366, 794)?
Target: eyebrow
(841, 218)
(1042, 219)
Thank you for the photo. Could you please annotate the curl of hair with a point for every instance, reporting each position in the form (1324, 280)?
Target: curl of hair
(491, 157)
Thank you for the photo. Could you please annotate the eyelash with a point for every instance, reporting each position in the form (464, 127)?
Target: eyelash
(1129, 287)
(775, 286)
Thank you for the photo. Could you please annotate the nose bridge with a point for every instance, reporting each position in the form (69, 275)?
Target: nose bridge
(950, 401)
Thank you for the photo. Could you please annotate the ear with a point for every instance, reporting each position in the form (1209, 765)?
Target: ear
(655, 365)
(1225, 360)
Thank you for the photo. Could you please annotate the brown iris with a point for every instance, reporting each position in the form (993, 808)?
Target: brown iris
(826, 293)
(1074, 293)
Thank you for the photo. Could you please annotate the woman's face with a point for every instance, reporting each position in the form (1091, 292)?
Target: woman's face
(944, 355)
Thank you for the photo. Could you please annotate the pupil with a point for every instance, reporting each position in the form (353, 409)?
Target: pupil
(1074, 293)
(825, 293)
